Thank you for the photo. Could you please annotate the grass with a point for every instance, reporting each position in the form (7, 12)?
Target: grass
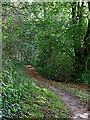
(78, 93)
(22, 98)
(75, 91)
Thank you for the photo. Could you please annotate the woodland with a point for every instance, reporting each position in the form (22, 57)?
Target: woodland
(43, 40)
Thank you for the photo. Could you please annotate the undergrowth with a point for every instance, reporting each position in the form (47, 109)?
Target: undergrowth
(75, 91)
(22, 98)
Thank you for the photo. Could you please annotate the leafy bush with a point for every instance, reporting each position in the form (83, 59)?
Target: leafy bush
(85, 77)
(22, 98)
(57, 67)
(12, 91)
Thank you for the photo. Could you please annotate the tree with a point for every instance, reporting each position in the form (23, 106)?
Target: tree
(48, 36)
(80, 55)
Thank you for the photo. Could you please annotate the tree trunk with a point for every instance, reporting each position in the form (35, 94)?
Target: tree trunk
(86, 42)
(81, 58)
(78, 66)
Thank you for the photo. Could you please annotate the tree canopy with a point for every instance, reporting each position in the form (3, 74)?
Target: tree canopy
(51, 36)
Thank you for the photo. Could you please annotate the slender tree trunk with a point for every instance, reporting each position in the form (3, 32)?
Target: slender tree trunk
(81, 58)
(86, 41)
(74, 22)
(76, 13)
(80, 51)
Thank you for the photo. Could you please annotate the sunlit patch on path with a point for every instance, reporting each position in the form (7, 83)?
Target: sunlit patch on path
(84, 115)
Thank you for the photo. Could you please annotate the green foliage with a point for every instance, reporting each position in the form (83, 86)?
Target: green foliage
(57, 67)
(44, 35)
(82, 94)
(22, 98)
(85, 77)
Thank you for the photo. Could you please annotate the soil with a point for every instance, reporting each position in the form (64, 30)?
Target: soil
(76, 107)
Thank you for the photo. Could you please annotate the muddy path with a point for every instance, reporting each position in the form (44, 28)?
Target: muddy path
(76, 107)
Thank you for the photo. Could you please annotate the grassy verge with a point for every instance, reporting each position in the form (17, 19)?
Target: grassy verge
(22, 98)
(75, 91)
(82, 94)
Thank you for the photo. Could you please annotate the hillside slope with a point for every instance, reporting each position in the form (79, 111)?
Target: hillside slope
(75, 99)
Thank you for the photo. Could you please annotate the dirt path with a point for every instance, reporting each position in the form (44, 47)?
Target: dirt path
(76, 108)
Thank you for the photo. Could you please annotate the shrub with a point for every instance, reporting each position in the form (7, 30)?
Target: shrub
(57, 67)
